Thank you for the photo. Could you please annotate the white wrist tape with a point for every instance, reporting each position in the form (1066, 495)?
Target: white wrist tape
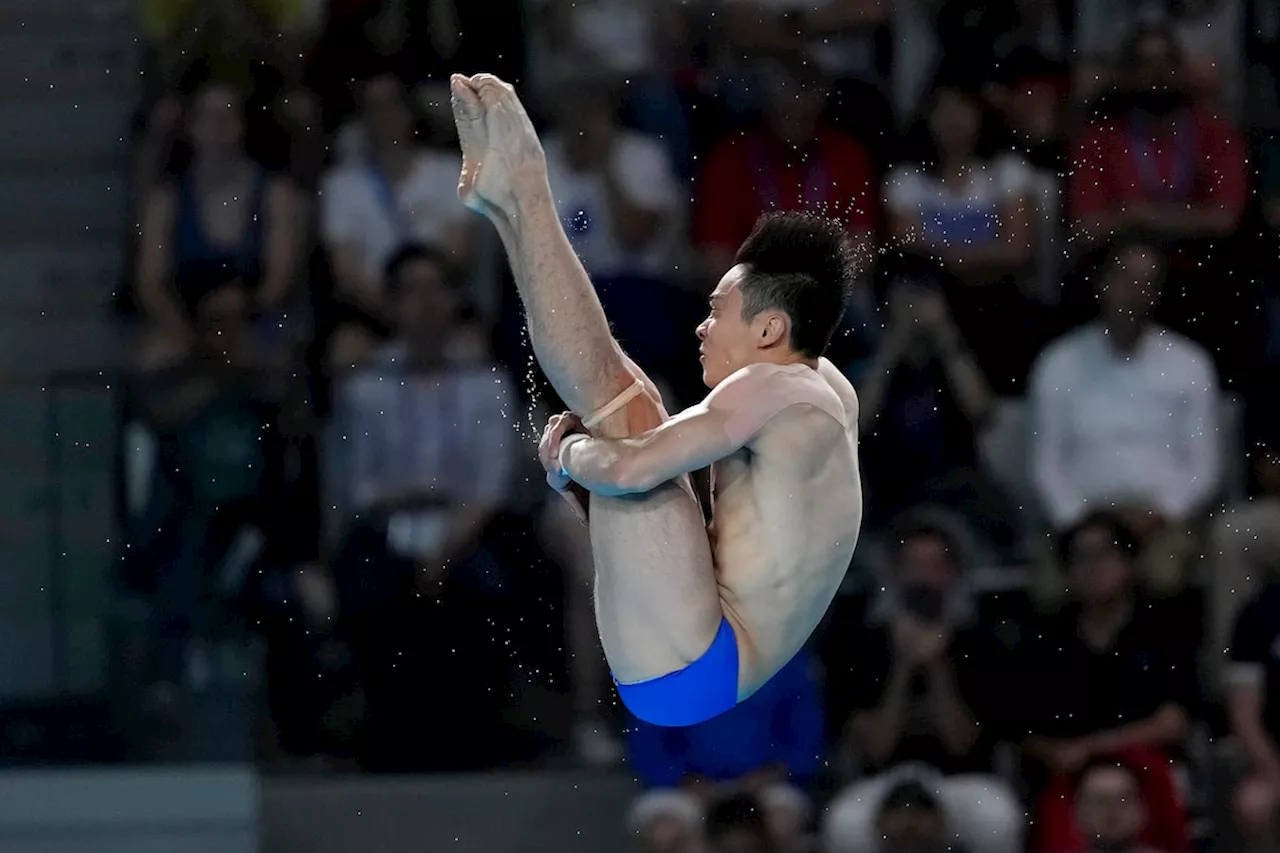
(565, 443)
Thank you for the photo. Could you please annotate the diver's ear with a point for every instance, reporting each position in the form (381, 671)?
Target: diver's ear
(772, 328)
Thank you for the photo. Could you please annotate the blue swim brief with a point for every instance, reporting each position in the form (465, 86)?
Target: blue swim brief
(704, 689)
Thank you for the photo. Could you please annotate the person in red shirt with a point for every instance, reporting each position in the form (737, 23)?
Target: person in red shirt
(1157, 165)
(789, 162)
(1153, 161)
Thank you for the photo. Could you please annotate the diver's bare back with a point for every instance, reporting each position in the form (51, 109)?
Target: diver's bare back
(786, 512)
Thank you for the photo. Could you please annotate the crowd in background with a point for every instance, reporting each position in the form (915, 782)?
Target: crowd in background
(1065, 338)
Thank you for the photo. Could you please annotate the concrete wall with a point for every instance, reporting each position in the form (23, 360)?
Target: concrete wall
(230, 810)
(498, 813)
(179, 810)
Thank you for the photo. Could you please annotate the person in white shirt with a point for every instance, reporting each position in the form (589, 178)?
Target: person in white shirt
(621, 202)
(431, 456)
(1124, 416)
(392, 193)
(408, 461)
(615, 190)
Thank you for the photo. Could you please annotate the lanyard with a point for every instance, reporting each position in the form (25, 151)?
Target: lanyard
(1141, 149)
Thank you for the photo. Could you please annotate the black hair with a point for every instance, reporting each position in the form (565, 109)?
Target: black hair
(1129, 54)
(1113, 255)
(921, 148)
(197, 284)
(1119, 532)
(1024, 63)
(736, 813)
(1107, 762)
(1261, 423)
(1122, 245)
(801, 264)
(592, 90)
(410, 252)
(915, 524)
(384, 71)
(909, 794)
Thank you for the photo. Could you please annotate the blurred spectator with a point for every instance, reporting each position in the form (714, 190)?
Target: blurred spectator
(1245, 544)
(1261, 56)
(738, 824)
(1125, 416)
(918, 687)
(361, 39)
(1151, 161)
(922, 404)
(423, 41)
(967, 207)
(444, 37)
(1266, 259)
(845, 41)
(313, 691)
(623, 209)
(838, 37)
(768, 746)
(430, 456)
(1253, 708)
(256, 46)
(971, 43)
(153, 153)
(1110, 807)
(1109, 676)
(405, 449)
(1209, 32)
(641, 44)
(1031, 96)
(223, 216)
(911, 820)
(206, 411)
(976, 37)
(1155, 164)
(284, 135)
(251, 42)
(389, 193)
(615, 190)
(793, 161)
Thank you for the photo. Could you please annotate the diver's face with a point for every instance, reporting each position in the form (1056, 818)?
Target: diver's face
(728, 341)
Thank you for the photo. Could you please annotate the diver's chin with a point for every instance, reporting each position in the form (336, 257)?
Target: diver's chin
(709, 379)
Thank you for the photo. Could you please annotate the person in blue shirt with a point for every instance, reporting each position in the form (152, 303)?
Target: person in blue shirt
(769, 745)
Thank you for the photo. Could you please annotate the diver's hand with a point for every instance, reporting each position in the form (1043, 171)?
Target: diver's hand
(549, 455)
(557, 428)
